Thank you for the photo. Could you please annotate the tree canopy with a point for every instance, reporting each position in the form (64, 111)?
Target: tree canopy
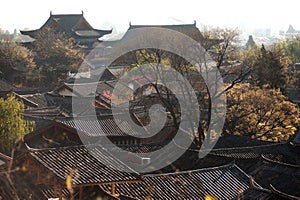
(56, 55)
(15, 58)
(260, 113)
(13, 127)
(270, 67)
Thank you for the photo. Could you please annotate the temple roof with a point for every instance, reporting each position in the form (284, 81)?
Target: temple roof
(71, 24)
(190, 30)
(91, 33)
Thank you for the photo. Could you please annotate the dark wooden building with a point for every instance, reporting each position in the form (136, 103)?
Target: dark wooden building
(73, 25)
(72, 172)
(70, 132)
(190, 30)
(129, 58)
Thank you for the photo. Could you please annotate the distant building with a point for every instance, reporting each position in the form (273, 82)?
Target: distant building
(250, 42)
(73, 25)
(189, 30)
(262, 32)
(291, 31)
(5, 35)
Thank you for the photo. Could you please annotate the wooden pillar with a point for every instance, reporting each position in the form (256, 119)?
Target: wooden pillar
(38, 176)
(55, 130)
(54, 188)
(80, 192)
(113, 192)
(59, 192)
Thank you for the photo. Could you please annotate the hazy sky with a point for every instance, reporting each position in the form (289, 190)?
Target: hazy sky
(32, 14)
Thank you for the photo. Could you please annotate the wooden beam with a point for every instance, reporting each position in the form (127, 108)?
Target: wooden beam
(55, 130)
(80, 192)
(59, 192)
(37, 132)
(54, 189)
(108, 183)
(120, 182)
(113, 192)
(38, 176)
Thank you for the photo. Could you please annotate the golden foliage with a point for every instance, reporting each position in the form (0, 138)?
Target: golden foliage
(261, 113)
(73, 175)
(69, 182)
(210, 197)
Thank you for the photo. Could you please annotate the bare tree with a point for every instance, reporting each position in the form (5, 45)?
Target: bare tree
(192, 63)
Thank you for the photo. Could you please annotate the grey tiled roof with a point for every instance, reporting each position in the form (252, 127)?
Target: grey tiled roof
(187, 29)
(87, 89)
(38, 98)
(87, 169)
(50, 112)
(100, 127)
(5, 86)
(70, 23)
(225, 182)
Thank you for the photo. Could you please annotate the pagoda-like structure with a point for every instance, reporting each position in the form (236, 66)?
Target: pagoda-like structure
(73, 25)
(190, 30)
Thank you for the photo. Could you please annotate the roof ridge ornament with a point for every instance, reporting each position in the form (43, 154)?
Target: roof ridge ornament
(50, 12)
(82, 12)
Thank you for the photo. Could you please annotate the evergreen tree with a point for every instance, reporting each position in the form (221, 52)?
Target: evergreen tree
(272, 68)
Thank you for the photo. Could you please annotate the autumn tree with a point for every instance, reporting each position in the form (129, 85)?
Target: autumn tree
(13, 127)
(260, 113)
(16, 62)
(56, 56)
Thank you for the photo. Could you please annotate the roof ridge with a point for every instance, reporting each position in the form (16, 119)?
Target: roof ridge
(279, 162)
(53, 15)
(116, 159)
(230, 165)
(87, 118)
(5, 156)
(160, 25)
(30, 149)
(249, 147)
(232, 148)
(90, 83)
(5, 81)
(280, 193)
(24, 98)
